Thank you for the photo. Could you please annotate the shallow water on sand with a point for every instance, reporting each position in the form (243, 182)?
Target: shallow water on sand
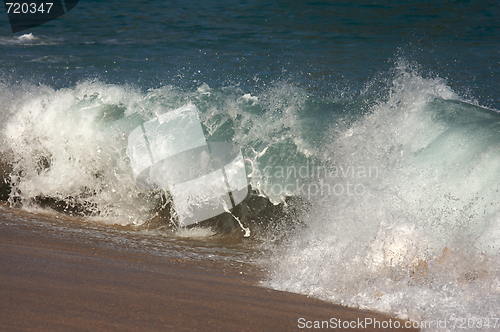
(198, 246)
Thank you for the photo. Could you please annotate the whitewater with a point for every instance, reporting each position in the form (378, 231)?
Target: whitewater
(389, 197)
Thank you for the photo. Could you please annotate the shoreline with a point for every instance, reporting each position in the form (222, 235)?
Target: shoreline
(48, 283)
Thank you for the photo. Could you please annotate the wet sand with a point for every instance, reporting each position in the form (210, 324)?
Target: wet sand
(51, 284)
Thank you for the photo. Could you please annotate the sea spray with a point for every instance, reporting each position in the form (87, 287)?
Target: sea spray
(67, 148)
(422, 241)
(413, 233)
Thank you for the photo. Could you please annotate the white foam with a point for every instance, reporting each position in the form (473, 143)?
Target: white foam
(27, 36)
(194, 233)
(30, 39)
(421, 242)
(81, 133)
(66, 130)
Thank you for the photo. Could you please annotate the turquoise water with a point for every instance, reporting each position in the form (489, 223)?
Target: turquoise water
(382, 120)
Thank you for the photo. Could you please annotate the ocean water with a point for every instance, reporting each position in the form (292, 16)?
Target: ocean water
(370, 132)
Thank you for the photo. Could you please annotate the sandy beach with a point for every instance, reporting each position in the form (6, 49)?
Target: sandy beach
(48, 283)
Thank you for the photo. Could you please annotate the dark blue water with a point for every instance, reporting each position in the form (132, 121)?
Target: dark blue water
(398, 102)
(323, 46)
